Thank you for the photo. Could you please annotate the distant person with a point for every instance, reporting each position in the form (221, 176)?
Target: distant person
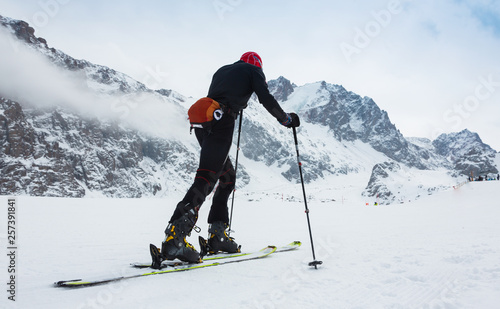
(498, 177)
(231, 88)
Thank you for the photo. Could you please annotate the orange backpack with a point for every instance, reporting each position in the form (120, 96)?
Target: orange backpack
(204, 113)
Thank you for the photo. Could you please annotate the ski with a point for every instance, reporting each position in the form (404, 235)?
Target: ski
(291, 246)
(76, 283)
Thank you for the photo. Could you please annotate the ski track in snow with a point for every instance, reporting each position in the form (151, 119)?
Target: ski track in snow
(441, 251)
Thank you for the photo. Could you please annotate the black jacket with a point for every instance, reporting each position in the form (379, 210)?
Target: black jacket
(233, 84)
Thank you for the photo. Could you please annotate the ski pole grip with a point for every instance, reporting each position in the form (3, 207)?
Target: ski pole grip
(295, 135)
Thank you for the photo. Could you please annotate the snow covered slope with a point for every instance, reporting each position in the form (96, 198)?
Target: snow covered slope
(438, 252)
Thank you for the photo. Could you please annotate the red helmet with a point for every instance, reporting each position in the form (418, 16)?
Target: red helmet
(252, 58)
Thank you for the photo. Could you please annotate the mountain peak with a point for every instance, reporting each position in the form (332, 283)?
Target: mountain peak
(464, 140)
(466, 151)
(22, 30)
(281, 88)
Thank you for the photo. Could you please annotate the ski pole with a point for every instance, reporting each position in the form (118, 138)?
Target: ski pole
(314, 263)
(235, 173)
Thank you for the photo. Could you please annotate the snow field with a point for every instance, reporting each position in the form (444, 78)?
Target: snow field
(441, 251)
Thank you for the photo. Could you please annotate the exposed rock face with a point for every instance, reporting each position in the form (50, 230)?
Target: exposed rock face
(352, 117)
(281, 88)
(59, 154)
(467, 152)
(376, 186)
(29, 164)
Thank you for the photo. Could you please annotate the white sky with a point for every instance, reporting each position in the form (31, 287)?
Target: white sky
(434, 66)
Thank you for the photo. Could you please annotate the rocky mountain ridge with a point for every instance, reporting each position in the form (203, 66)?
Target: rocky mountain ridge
(57, 152)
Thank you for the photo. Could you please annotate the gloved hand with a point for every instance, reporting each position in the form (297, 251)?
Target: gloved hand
(292, 120)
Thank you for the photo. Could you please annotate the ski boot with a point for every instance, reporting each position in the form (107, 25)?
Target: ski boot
(219, 241)
(175, 246)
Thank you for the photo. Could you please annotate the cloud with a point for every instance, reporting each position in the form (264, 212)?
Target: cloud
(27, 76)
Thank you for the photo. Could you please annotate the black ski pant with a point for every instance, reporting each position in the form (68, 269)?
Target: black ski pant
(214, 165)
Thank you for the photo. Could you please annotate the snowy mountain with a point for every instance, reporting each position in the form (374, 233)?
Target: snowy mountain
(467, 152)
(59, 149)
(90, 130)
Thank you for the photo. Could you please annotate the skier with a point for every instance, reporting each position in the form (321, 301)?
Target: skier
(231, 86)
